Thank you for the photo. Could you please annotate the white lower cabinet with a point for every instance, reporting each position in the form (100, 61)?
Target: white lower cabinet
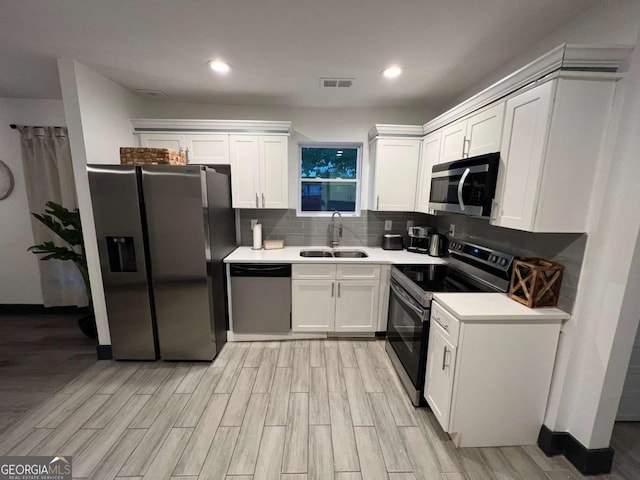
(441, 360)
(313, 305)
(356, 306)
(344, 303)
(487, 382)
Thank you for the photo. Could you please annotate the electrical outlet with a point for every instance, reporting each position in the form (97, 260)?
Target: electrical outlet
(452, 229)
(387, 225)
(253, 222)
(409, 224)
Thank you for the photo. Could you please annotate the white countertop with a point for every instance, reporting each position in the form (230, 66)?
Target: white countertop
(292, 255)
(493, 306)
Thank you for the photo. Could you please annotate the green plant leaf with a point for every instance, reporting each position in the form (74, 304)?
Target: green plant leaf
(65, 224)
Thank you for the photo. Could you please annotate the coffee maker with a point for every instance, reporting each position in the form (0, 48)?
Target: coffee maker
(418, 240)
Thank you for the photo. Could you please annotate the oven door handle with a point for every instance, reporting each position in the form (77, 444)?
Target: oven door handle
(408, 301)
(460, 186)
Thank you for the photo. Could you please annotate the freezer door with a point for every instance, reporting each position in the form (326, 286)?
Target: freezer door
(119, 230)
(175, 210)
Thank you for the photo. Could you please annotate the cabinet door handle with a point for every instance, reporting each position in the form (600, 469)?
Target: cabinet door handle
(338, 289)
(257, 204)
(444, 358)
(333, 286)
(494, 210)
(378, 203)
(263, 200)
(466, 147)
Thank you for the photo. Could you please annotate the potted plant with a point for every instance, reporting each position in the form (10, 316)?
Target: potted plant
(66, 224)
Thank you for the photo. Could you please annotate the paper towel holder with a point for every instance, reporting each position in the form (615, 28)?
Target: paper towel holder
(257, 237)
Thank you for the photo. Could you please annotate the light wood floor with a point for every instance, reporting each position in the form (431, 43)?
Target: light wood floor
(296, 410)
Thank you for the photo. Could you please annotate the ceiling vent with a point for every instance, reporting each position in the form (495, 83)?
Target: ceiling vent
(336, 82)
(151, 93)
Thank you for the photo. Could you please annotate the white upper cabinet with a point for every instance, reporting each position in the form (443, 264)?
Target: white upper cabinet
(430, 157)
(259, 174)
(474, 135)
(199, 148)
(484, 131)
(245, 170)
(274, 172)
(453, 141)
(208, 149)
(395, 173)
(553, 136)
(175, 141)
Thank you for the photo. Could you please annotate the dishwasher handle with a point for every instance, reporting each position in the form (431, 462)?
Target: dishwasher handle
(260, 270)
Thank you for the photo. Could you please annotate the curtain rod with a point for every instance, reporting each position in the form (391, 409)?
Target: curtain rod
(15, 127)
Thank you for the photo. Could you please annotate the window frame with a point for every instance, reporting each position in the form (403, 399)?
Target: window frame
(357, 181)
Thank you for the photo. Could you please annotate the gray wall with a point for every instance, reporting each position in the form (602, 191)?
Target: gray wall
(564, 248)
(366, 230)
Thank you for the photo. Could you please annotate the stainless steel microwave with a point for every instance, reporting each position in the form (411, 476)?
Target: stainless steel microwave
(466, 186)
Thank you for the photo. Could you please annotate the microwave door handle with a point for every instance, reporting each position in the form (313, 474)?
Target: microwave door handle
(460, 185)
(407, 301)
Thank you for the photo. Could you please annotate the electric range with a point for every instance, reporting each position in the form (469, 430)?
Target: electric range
(470, 268)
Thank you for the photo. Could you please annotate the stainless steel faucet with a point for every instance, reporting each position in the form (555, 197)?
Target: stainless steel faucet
(335, 240)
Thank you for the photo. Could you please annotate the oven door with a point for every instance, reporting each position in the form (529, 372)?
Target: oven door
(465, 186)
(407, 335)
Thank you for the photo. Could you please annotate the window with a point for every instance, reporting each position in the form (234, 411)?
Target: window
(329, 180)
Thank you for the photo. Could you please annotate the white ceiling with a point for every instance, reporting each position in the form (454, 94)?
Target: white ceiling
(279, 49)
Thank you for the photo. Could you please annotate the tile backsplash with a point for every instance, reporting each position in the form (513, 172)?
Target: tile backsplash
(564, 248)
(365, 230)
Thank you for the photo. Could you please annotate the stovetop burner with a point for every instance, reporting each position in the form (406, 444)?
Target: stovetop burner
(430, 278)
(471, 268)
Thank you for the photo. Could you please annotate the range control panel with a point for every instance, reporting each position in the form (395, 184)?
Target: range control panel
(493, 258)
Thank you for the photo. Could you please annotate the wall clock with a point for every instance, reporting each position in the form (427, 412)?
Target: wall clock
(6, 181)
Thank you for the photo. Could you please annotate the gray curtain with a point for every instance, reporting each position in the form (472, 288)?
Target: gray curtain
(48, 172)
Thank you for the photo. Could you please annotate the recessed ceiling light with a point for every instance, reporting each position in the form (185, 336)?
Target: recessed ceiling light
(219, 66)
(392, 72)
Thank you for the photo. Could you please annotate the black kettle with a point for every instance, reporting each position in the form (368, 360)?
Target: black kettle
(436, 245)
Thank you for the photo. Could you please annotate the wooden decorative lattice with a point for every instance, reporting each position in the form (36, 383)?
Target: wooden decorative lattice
(535, 282)
(151, 156)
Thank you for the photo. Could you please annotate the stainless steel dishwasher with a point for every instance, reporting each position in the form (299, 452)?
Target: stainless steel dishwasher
(261, 297)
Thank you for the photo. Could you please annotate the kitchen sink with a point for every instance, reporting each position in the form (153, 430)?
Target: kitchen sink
(335, 253)
(350, 254)
(315, 253)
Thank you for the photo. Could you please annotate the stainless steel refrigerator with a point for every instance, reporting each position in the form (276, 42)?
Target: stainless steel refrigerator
(162, 234)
